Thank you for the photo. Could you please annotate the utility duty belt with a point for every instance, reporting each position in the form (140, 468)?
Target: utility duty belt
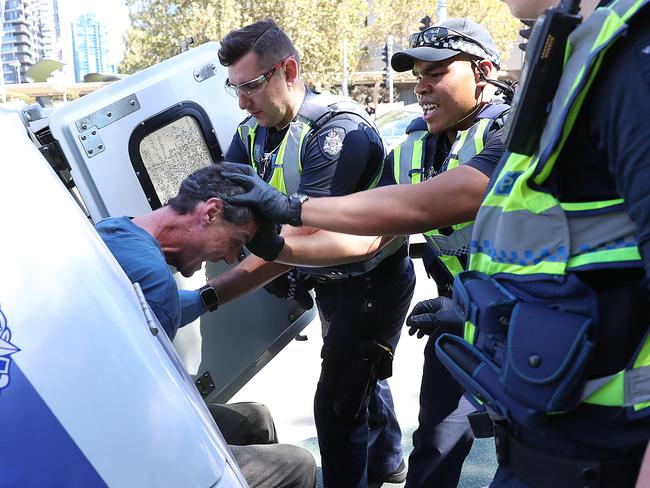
(543, 470)
(526, 360)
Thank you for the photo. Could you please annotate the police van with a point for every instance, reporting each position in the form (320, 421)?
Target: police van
(91, 393)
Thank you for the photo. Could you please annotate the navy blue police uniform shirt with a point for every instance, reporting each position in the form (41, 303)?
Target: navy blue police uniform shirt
(326, 171)
(436, 150)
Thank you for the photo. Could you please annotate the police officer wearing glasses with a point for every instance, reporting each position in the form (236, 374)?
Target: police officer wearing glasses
(319, 145)
(438, 176)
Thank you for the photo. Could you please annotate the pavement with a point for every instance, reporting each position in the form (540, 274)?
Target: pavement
(287, 385)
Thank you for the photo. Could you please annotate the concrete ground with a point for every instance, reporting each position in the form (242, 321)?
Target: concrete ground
(288, 382)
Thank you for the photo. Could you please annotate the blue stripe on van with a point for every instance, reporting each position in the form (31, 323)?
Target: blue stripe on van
(35, 449)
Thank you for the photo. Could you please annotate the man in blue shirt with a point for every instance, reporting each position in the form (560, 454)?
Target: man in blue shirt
(196, 226)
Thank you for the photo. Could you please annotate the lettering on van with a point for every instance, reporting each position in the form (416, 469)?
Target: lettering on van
(6, 350)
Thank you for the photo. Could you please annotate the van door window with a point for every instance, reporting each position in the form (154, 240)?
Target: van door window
(169, 146)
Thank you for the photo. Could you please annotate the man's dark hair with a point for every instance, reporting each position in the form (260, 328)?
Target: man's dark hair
(206, 183)
(263, 37)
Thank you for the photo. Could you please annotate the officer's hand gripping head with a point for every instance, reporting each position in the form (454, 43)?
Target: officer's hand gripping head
(270, 202)
(434, 317)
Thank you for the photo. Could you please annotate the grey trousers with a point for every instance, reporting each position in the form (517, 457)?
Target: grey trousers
(250, 433)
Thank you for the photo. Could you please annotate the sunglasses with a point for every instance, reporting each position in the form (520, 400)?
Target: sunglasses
(445, 38)
(254, 86)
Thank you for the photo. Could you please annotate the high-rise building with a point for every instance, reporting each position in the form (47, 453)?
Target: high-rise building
(49, 29)
(31, 31)
(89, 44)
(19, 40)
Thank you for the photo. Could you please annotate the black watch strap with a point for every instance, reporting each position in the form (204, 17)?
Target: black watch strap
(209, 298)
(295, 208)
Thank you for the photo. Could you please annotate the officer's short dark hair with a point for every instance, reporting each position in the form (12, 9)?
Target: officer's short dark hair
(264, 38)
(206, 183)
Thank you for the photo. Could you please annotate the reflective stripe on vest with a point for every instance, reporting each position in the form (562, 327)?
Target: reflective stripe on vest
(246, 132)
(524, 231)
(408, 161)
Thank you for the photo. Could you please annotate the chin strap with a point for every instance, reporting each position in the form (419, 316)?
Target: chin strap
(472, 113)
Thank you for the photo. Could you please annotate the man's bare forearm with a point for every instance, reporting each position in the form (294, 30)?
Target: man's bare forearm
(252, 273)
(450, 198)
(325, 248)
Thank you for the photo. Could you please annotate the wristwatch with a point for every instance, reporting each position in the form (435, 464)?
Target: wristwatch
(295, 208)
(209, 298)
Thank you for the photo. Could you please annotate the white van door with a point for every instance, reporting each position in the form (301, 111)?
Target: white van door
(129, 146)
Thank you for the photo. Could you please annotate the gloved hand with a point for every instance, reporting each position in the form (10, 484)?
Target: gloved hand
(267, 242)
(434, 317)
(270, 202)
(292, 284)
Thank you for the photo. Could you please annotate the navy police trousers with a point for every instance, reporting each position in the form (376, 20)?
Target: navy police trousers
(372, 306)
(444, 437)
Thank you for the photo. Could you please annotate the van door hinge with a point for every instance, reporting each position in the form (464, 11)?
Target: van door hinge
(205, 384)
(53, 154)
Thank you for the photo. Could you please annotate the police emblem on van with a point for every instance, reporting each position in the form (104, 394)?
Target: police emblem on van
(6, 350)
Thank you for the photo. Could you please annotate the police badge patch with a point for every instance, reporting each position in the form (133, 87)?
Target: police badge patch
(331, 141)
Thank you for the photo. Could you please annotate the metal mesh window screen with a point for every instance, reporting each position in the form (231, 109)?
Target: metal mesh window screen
(172, 152)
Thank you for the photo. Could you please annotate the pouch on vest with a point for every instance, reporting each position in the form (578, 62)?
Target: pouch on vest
(527, 359)
(547, 356)
(480, 377)
(486, 304)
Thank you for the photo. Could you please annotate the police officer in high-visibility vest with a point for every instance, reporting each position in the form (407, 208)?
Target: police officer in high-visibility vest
(555, 304)
(457, 141)
(472, 136)
(319, 145)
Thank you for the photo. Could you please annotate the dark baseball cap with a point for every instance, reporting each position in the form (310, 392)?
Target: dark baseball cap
(434, 45)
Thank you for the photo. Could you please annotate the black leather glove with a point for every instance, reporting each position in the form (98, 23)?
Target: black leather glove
(270, 202)
(435, 317)
(295, 285)
(267, 242)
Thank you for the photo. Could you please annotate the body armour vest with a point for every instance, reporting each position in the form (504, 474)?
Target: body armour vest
(525, 233)
(286, 168)
(408, 168)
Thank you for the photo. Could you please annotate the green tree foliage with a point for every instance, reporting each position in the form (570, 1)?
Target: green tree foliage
(317, 29)
(401, 18)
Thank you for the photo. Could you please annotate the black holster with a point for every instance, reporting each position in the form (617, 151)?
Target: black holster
(351, 375)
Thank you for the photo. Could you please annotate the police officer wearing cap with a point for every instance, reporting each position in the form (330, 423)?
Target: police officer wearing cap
(319, 145)
(472, 136)
(459, 143)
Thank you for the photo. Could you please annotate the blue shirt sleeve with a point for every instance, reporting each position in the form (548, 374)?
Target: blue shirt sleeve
(624, 87)
(388, 172)
(191, 306)
(143, 261)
